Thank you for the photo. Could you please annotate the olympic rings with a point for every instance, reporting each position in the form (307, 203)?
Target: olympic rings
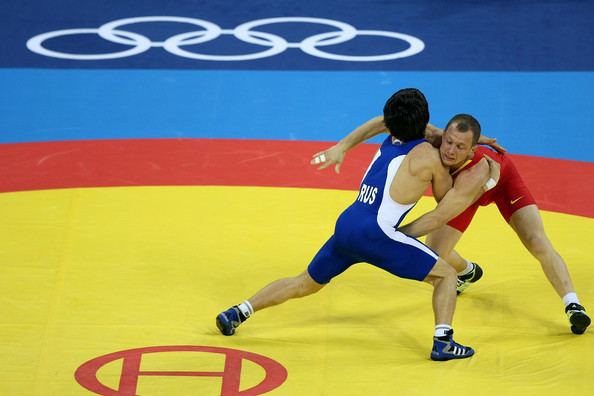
(112, 31)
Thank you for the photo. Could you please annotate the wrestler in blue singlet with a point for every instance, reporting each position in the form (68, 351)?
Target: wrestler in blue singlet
(366, 230)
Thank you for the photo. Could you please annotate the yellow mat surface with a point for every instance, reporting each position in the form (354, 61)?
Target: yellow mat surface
(90, 272)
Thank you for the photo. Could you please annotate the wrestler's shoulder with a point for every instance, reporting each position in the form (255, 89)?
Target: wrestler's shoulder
(426, 150)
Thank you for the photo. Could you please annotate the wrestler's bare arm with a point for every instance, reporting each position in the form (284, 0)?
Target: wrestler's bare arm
(336, 153)
(371, 128)
(468, 188)
(442, 180)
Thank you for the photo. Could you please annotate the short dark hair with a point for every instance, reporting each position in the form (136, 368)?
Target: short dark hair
(465, 123)
(406, 114)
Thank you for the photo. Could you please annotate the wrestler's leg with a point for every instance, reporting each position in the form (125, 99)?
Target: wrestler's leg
(326, 264)
(443, 278)
(527, 223)
(443, 241)
(284, 289)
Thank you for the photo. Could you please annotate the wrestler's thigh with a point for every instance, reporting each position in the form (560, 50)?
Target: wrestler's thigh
(527, 222)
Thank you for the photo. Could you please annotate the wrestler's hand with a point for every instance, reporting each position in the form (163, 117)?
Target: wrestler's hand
(492, 142)
(333, 155)
(494, 168)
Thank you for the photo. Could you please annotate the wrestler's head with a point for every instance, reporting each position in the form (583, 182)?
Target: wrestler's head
(406, 114)
(459, 140)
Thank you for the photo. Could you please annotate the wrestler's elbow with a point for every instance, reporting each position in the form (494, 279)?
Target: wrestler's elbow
(439, 220)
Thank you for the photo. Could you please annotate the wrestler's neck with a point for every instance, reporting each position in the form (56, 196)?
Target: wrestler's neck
(457, 167)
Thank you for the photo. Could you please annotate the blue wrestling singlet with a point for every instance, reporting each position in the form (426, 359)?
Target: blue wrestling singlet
(366, 230)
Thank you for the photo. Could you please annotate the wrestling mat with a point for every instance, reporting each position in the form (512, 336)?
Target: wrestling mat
(114, 291)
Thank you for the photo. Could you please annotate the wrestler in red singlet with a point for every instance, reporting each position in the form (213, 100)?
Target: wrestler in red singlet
(510, 194)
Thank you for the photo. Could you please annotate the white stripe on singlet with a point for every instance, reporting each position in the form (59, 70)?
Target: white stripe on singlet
(390, 212)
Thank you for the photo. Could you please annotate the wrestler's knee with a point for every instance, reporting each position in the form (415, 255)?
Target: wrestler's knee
(537, 243)
(306, 284)
(442, 270)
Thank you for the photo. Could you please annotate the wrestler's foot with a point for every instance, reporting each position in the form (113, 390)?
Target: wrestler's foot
(229, 320)
(578, 318)
(465, 280)
(445, 348)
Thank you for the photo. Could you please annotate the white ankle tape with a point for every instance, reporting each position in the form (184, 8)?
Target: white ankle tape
(246, 308)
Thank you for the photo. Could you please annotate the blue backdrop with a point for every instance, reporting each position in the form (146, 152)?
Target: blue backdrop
(524, 68)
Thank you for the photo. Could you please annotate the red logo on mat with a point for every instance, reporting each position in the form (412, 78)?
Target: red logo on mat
(275, 373)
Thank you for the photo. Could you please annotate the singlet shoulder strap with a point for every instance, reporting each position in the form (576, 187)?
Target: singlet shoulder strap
(462, 167)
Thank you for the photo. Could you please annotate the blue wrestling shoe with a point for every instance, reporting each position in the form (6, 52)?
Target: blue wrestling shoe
(445, 348)
(465, 280)
(229, 320)
(578, 318)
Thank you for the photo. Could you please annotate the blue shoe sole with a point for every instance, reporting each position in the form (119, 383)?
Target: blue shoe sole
(225, 325)
(445, 357)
